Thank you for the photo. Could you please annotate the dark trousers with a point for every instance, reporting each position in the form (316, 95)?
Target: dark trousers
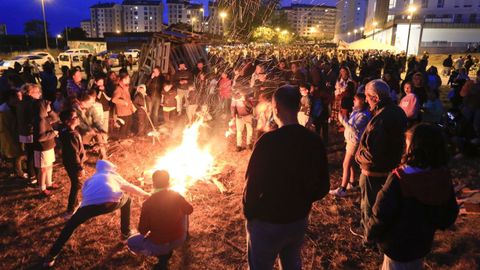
(75, 186)
(369, 186)
(141, 122)
(87, 212)
(321, 128)
(156, 106)
(30, 160)
(125, 129)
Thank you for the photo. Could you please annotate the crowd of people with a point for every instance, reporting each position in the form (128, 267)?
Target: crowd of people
(279, 97)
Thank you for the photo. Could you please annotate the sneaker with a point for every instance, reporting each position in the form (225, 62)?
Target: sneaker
(352, 187)
(32, 180)
(340, 192)
(49, 262)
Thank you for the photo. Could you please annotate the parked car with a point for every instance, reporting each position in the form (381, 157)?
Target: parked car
(135, 53)
(87, 51)
(6, 64)
(113, 60)
(45, 55)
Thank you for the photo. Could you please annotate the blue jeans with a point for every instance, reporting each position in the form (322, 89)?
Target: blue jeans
(139, 244)
(266, 241)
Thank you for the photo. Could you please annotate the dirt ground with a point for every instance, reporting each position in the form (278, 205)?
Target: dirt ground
(29, 225)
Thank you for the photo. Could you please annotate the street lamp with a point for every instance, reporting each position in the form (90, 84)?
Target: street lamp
(355, 31)
(223, 15)
(411, 9)
(374, 28)
(56, 39)
(193, 21)
(203, 17)
(45, 24)
(277, 29)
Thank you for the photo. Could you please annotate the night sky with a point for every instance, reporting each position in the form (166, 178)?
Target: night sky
(61, 13)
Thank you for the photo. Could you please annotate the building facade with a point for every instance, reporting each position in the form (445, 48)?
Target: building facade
(185, 12)
(86, 25)
(214, 23)
(351, 15)
(105, 17)
(436, 25)
(130, 16)
(142, 16)
(312, 21)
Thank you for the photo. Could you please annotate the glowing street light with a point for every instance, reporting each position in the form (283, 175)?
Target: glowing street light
(203, 17)
(194, 19)
(277, 29)
(118, 31)
(56, 39)
(411, 10)
(284, 32)
(362, 28)
(223, 15)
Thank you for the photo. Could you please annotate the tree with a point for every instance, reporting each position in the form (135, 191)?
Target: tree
(75, 33)
(263, 34)
(34, 28)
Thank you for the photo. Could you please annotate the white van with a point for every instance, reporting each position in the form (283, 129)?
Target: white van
(87, 51)
(72, 59)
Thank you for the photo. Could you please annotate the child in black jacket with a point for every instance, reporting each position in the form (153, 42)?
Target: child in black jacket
(73, 156)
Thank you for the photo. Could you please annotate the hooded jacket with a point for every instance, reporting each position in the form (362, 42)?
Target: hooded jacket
(410, 207)
(43, 133)
(104, 186)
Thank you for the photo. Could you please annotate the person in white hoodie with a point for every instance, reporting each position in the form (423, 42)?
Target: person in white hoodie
(103, 193)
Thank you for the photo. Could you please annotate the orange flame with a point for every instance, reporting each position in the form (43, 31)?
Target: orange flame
(187, 163)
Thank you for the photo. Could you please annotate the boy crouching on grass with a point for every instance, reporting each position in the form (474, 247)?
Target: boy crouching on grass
(163, 222)
(73, 156)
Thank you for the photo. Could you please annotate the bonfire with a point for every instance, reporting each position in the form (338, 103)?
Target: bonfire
(188, 162)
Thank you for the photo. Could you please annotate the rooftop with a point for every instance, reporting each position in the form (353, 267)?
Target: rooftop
(103, 5)
(141, 2)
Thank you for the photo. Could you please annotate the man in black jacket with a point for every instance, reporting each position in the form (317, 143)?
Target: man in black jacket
(73, 155)
(381, 146)
(287, 172)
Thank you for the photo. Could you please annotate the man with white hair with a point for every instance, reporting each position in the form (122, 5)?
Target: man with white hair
(103, 193)
(381, 146)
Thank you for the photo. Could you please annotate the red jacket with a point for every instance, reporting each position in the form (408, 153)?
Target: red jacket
(225, 88)
(163, 215)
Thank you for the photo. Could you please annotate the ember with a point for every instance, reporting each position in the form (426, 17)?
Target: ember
(188, 162)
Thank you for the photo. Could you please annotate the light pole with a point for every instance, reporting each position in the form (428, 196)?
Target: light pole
(203, 17)
(223, 15)
(56, 39)
(45, 24)
(374, 28)
(193, 22)
(349, 34)
(355, 31)
(411, 10)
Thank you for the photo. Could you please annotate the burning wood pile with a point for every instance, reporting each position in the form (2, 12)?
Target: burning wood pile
(189, 163)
